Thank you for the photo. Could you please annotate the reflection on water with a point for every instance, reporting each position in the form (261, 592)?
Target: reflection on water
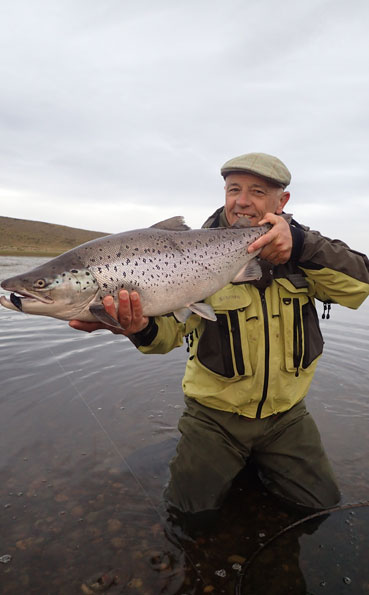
(88, 426)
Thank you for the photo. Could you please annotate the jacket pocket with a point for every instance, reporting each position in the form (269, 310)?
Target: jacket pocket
(292, 301)
(313, 339)
(214, 349)
(223, 347)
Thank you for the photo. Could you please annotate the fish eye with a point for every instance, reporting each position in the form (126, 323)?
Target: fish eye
(40, 283)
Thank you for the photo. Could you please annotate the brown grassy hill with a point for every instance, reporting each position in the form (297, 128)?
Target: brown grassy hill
(22, 237)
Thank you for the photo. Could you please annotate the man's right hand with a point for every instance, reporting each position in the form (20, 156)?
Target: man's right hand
(129, 315)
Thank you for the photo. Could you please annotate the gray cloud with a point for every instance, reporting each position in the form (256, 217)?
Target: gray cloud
(114, 114)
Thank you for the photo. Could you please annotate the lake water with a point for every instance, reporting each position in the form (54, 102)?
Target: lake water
(88, 426)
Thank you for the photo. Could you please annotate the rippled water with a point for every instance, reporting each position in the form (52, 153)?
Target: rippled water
(88, 425)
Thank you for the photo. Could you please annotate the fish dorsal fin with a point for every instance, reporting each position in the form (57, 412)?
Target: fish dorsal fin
(172, 224)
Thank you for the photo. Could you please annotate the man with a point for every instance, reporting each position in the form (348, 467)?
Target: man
(248, 372)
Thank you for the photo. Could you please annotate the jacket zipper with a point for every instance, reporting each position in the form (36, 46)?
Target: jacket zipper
(237, 346)
(297, 336)
(267, 351)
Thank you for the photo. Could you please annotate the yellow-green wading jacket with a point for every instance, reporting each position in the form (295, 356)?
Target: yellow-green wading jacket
(259, 357)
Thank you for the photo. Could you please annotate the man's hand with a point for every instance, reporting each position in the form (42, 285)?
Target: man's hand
(276, 244)
(129, 315)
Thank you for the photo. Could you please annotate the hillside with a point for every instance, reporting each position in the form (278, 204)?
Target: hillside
(22, 237)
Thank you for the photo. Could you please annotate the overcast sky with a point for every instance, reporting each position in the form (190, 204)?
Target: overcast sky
(115, 114)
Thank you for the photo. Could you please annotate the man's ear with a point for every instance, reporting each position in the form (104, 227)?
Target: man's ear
(283, 200)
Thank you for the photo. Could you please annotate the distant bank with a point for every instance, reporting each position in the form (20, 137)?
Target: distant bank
(21, 237)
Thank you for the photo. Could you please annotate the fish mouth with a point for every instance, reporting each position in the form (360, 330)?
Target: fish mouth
(17, 300)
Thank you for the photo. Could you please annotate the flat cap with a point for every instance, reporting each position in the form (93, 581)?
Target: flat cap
(260, 164)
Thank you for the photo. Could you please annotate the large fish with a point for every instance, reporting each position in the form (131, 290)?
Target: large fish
(172, 267)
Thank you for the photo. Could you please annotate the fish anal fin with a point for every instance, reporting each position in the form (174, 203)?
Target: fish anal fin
(172, 224)
(199, 308)
(203, 310)
(250, 272)
(182, 314)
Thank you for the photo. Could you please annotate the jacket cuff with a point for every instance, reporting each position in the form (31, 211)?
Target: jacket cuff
(147, 335)
(298, 238)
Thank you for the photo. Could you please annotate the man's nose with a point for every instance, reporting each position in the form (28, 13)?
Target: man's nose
(244, 199)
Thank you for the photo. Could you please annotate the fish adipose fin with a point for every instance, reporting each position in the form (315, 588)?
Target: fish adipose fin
(172, 224)
(101, 314)
(251, 272)
(200, 308)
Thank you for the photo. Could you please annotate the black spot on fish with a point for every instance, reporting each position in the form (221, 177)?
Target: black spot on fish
(107, 267)
(115, 268)
(105, 285)
(119, 254)
(74, 271)
(128, 261)
(87, 274)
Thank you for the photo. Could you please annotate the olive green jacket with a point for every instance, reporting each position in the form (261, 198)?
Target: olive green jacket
(260, 356)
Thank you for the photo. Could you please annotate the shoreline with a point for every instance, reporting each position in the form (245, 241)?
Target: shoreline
(37, 253)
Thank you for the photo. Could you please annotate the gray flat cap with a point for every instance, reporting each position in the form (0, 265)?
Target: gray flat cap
(260, 164)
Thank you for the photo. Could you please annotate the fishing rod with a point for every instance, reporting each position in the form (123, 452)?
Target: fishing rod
(246, 566)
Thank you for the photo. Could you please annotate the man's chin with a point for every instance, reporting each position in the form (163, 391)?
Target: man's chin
(252, 219)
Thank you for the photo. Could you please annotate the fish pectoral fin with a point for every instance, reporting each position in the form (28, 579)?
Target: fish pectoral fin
(250, 272)
(101, 314)
(172, 224)
(203, 310)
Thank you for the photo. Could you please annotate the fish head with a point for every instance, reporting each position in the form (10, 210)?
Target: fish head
(62, 288)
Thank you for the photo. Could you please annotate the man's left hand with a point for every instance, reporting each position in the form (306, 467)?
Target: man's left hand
(276, 244)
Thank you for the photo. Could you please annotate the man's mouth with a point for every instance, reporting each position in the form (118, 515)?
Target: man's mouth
(239, 215)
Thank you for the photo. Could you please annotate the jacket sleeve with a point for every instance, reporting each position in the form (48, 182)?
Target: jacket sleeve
(339, 274)
(164, 333)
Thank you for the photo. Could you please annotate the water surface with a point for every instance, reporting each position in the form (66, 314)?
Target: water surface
(88, 425)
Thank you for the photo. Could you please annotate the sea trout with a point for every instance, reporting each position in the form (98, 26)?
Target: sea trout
(172, 267)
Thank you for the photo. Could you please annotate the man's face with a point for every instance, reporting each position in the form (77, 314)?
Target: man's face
(251, 196)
